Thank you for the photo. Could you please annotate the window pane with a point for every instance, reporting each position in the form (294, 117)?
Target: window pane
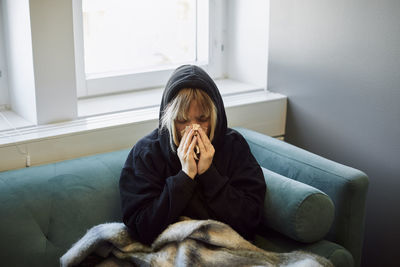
(133, 35)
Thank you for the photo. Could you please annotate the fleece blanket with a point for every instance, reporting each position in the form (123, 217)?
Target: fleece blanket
(185, 243)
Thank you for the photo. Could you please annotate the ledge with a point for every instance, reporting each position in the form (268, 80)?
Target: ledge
(142, 99)
(117, 130)
(10, 120)
(122, 109)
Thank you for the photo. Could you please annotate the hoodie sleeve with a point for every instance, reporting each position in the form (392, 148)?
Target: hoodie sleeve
(151, 202)
(236, 200)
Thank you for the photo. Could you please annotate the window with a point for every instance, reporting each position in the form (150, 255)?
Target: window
(45, 46)
(131, 45)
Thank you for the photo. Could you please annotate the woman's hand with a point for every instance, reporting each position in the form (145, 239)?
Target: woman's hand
(206, 152)
(186, 153)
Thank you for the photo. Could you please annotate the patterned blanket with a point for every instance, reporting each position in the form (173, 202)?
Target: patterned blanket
(185, 243)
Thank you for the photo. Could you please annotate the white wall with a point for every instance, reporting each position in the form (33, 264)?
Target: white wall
(52, 32)
(217, 28)
(40, 59)
(19, 58)
(247, 41)
(3, 65)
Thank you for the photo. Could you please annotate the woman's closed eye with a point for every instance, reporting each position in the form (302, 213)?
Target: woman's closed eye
(201, 119)
(181, 121)
(204, 119)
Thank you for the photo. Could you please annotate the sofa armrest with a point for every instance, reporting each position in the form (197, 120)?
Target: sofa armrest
(295, 209)
(346, 186)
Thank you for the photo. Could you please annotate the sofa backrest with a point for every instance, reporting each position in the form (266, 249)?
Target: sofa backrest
(45, 209)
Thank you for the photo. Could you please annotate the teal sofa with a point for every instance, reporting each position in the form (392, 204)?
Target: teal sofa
(45, 209)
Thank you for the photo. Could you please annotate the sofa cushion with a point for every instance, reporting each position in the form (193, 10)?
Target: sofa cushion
(296, 210)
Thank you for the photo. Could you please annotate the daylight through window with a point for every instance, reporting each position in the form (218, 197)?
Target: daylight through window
(128, 36)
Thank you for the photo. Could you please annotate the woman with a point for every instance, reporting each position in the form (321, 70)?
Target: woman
(192, 165)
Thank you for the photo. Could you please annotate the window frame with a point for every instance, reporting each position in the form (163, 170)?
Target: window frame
(150, 78)
(4, 94)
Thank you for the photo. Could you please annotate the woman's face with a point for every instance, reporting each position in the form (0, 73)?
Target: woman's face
(194, 116)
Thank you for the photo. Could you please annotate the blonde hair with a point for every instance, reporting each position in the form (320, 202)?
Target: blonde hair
(178, 109)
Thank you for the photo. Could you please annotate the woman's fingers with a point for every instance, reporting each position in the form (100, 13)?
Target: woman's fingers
(201, 145)
(185, 141)
(191, 146)
(204, 138)
(207, 152)
(186, 155)
(181, 143)
(189, 153)
(183, 138)
(188, 141)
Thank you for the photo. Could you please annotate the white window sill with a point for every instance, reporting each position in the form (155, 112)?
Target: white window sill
(119, 109)
(152, 98)
(246, 105)
(9, 120)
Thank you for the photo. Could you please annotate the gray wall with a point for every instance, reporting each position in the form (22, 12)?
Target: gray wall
(339, 64)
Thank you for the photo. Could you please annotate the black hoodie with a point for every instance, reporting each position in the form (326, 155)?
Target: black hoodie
(155, 191)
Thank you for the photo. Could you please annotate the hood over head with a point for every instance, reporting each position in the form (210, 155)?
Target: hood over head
(191, 76)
